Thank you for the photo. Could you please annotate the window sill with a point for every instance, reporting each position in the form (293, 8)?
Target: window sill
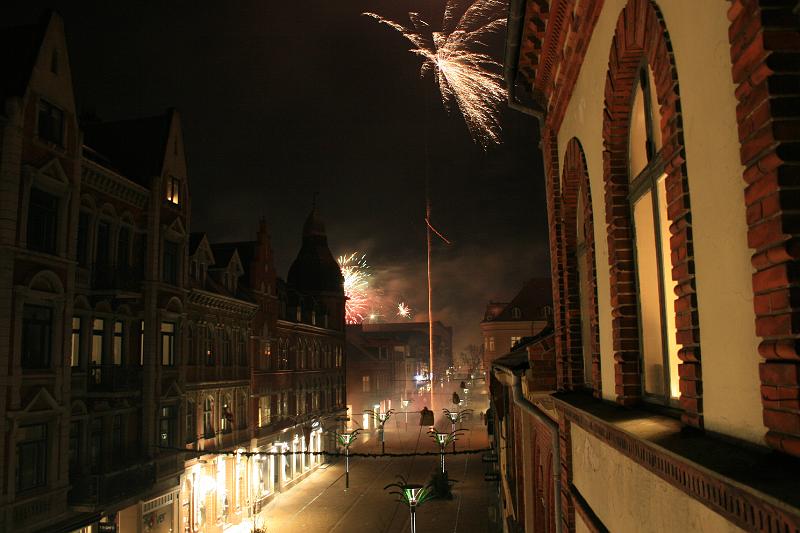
(717, 470)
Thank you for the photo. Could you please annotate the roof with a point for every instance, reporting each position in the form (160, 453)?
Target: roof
(19, 48)
(134, 147)
(531, 300)
(517, 359)
(315, 269)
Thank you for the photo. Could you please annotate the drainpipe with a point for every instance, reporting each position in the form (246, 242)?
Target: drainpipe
(536, 412)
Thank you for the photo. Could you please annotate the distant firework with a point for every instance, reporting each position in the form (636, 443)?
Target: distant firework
(356, 286)
(403, 310)
(462, 74)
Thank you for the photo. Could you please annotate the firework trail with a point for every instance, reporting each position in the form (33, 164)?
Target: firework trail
(464, 76)
(403, 310)
(356, 286)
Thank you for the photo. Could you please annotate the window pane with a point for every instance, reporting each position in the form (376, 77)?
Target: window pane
(97, 341)
(638, 134)
(42, 221)
(649, 306)
(37, 325)
(669, 289)
(75, 352)
(117, 346)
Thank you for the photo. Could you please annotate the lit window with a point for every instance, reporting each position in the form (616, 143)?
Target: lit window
(491, 344)
(651, 229)
(98, 330)
(75, 352)
(116, 351)
(173, 190)
(515, 341)
(364, 383)
(167, 426)
(264, 410)
(168, 343)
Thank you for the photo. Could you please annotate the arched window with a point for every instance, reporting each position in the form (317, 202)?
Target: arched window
(208, 418)
(648, 203)
(226, 414)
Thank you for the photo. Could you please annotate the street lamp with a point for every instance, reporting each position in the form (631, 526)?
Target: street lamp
(346, 439)
(456, 417)
(443, 439)
(380, 421)
(411, 494)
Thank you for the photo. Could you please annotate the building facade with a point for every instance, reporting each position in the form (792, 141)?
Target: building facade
(389, 362)
(138, 357)
(505, 324)
(667, 130)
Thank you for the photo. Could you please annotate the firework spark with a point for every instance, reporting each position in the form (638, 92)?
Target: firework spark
(464, 76)
(356, 286)
(403, 310)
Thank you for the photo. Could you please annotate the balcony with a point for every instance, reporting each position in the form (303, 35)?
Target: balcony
(113, 378)
(102, 489)
(204, 373)
(116, 278)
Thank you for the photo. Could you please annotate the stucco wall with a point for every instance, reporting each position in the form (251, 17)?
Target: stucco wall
(626, 497)
(698, 31)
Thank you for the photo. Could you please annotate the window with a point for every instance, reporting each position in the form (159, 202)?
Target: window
(31, 467)
(168, 343)
(37, 331)
(173, 190)
(515, 341)
(96, 444)
(491, 344)
(364, 383)
(584, 290)
(42, 221)
(117, 447)
(241, 412)
(51, 123)
(75, 343)
(226, 415)
(516, 313)
(117, 344)
(170, 273)
(123, 247)
(167, 427)
(191, 421)
(648, 200)
(242, 349)
(83, 239)
(226, 348)
(141, 343)
(208, 418)
(98, 329)
(74, 445)
(103, 257)
(264, 410)
(210, 346)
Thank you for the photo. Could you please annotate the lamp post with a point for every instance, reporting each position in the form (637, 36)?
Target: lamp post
(346, 439)
(380, 421)
(443, 439)
(455, 417)
(411, 494)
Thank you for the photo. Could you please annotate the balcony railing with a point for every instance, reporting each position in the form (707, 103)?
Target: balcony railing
(102, 489)
(113, 378)
(123, 277)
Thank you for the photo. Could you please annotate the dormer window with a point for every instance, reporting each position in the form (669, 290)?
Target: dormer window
(516, 313)
(173, 194)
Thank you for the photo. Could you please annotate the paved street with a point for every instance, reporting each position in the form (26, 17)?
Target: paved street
(320, 503)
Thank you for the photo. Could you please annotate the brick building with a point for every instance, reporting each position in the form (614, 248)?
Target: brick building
(130, 344)
(504, 324)
(668, 131)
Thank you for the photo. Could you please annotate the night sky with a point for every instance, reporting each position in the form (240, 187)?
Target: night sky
(279, 99)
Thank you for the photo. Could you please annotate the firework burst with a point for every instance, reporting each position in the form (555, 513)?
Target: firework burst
(464, 76)
(356, 286)
(403, 310)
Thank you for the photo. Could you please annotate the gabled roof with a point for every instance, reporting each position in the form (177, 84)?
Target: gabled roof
(135, 148)
(19, 48)
(195, 238)
(531, 300)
